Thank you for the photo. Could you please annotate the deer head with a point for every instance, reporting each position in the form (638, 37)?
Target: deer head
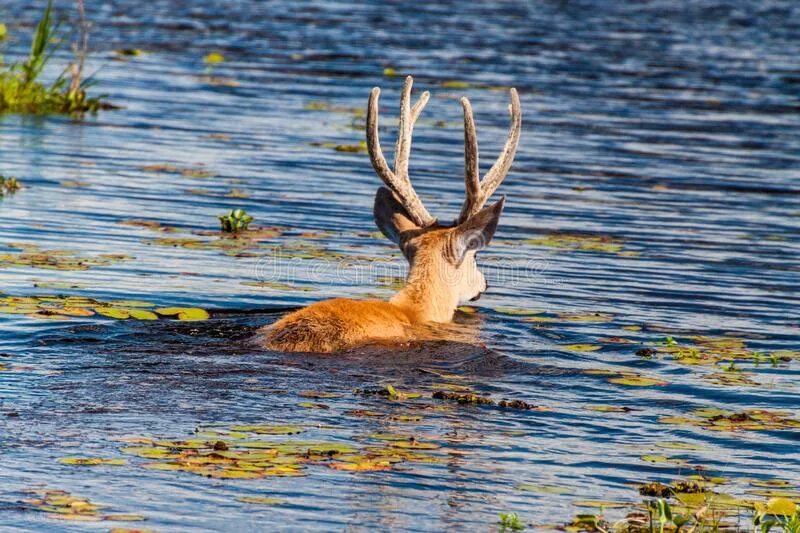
(442, 267)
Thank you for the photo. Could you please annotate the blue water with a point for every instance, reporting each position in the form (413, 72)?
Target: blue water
(667, 131)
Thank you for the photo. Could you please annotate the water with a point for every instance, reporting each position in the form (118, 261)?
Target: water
(663, 137)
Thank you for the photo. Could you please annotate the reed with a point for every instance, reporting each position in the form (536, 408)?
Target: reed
(21, 88)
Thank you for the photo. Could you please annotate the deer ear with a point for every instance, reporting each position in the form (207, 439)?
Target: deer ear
(476, 232)
(390, 217)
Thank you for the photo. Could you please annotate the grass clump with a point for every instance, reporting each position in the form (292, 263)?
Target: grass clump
(22, 91)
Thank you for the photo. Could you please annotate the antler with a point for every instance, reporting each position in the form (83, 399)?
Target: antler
(479, 191)
(398, 181)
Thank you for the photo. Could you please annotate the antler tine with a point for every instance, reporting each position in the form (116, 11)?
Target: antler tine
(408, 117)
(373, 140)
(472, 178)
(398, 180)
(491, 181)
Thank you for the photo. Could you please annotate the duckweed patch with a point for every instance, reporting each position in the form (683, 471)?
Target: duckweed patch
(257, 451)
(631, 379)
(581, 243)
(57, 307)
(274, 241)
(569, 317)
(355, 148)
(32, 256)
(198, 171)
(61, 505)
(722, 420)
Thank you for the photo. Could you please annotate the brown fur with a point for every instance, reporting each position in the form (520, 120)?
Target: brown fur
(337, 324)
(442, 264)
(430, 296)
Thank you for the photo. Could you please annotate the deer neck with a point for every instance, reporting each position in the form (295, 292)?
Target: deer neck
(427, 297)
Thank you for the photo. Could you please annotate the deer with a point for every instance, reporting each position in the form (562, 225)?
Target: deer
(442, 273)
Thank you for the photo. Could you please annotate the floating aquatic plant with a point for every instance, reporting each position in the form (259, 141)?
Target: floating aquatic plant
(235, 221)
(511, 521)
(56, 307)
(259, 450)
(9, 186)
(29, 255)
(61, 505)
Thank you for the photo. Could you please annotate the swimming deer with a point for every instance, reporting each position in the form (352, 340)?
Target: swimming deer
(442, 268)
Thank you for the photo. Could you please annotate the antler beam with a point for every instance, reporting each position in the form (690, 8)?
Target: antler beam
(479, 191)
(397, 180)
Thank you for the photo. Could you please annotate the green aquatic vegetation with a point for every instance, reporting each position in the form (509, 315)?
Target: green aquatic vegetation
(720, 420)
(692, 506)
(235, 221)
(355, 148)
(198, 171)
(543, 489)
(9, 186)
(511, 521)
(327, 106)
(61, 505)
(689, 353)
(57, 307)
(706, 351)
(31, 256)
(129, 52)
(732, 367)
(631, 379)
(731, 379)
(662, 511)
(589, 523)
(581, 243)
(460, 84)
(21, 90)
(569, 317)
(669, 341)
(92, 461)
(213, 58)
(581, 347)
(258, 451)
(470, 398)
(260, 500)
(782, 513)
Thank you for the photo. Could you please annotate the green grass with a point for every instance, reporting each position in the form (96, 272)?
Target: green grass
(21, 90)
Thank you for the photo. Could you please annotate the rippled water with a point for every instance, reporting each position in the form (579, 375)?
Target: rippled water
(661, 140)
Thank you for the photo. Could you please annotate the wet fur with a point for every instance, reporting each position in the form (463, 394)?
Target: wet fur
(337, 324)
(437, 281)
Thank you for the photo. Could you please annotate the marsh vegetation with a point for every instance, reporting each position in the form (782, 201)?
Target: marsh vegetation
(22, 89)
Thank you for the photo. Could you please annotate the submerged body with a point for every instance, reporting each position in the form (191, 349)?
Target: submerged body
(442, 272)
(338, 324)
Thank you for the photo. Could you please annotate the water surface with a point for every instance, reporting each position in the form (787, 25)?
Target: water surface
(654, 195)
